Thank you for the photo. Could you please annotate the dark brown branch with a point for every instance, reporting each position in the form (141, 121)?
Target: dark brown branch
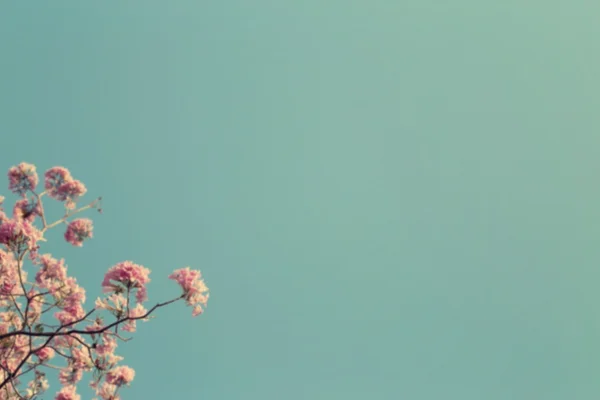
(52, 335)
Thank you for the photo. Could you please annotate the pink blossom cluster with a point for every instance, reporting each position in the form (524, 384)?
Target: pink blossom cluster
(26, 210)
(78, 231)
(45, 354)
(71, 297)
(18, 235)
(121, 375)
(195, 291)
(9, 274)
(52, 273)
(27, 340)
(68, 393)
(22, 178)
(127, 276)
(61, 186)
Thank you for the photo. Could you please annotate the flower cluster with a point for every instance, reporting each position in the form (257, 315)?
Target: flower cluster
(195, 291)
(45, 354)
(68, 393)
(27, 210)
(9, 275)
(78, 231)
(61, 186)
(19, 235)
(52, 274)
(22, 178)
(121, 375)
(27, 340)
(127, 276)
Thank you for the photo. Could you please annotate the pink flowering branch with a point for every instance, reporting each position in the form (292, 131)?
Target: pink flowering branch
(51, 335)
(27, 343)
(87, 332)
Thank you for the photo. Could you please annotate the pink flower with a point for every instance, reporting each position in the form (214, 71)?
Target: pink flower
(9, 275)
(70, 376)
(81, 359)
(106, 391)
(54, 178)
(197, 310)
(61, 186)
(107, 347)
(194, 290)
(26, 210)
(36, 303)
(136, 312)
(125, 275)
(52, 275)
(22, 178)
(67, 393)
(71, 192)
(45, 353)
(79, 230)
(18, 235)
(73, 299)
(120, 375)
(119, 302)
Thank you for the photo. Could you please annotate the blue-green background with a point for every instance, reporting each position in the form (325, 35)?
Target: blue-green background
(388, 199)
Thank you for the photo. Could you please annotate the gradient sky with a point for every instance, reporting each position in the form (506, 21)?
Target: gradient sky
(388, 199)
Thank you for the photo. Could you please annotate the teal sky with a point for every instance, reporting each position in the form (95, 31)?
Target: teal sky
(387, 199)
